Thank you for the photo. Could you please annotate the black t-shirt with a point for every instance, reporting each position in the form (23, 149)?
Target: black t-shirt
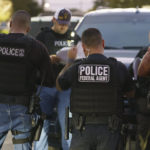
(55, 41)
(37, 55)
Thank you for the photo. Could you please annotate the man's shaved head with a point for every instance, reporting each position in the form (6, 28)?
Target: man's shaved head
(92, 38)
(21, 19)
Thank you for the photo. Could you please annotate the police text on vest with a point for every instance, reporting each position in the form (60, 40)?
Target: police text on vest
(93, 73)
(10, 51)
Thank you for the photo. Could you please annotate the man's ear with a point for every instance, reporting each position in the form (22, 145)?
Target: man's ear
(10, 24)
(53, 20)
(85, 49)
(28, 29)
(103, 43)
(83, 46)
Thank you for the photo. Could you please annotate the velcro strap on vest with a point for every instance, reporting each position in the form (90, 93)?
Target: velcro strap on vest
(102, 100)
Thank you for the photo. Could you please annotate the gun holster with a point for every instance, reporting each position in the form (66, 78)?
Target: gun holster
(34, 106)
(38, 130)
(78, 122)
(114, 123)
(37, 125)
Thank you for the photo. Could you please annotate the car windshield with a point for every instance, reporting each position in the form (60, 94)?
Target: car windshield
(120, 31)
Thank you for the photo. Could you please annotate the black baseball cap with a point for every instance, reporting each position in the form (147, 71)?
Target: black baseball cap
(63, 16)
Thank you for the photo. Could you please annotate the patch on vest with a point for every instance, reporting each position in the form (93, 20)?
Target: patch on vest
(93, 73)
(67, 43)
(11, 51)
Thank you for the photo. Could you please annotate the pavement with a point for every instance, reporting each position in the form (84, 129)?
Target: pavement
(8, 145)
(8, 142)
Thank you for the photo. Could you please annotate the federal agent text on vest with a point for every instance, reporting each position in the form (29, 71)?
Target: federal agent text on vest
(94, 73)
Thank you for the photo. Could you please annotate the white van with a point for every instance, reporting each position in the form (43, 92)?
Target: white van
(125, 31)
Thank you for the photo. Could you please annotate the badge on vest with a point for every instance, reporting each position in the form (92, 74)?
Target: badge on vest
(93, 73)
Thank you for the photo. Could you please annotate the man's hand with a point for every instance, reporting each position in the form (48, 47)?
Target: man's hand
(72, 53)
(54, 59)
(144, 66)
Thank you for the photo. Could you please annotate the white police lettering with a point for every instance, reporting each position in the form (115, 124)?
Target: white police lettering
(9, 51)
(93, 73)
(61, 43)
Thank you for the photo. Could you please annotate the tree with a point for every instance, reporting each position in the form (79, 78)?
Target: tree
(100, 3)
(29, 5)
(128, 3)
(5, 10)
(120, 3)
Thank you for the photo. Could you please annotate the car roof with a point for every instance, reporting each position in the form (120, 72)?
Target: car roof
(120, 11)
(49, 18)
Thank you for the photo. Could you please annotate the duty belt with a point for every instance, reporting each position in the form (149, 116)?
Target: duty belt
(113, 122)
(96, 120)
(80, 121)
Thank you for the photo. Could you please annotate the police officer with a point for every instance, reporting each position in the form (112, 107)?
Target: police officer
(20, 59)
(55, 38)
(143, 103)
(97, 85)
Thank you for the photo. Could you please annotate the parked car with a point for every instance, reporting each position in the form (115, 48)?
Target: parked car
(4, 27)
(125, 31)
(46, 21)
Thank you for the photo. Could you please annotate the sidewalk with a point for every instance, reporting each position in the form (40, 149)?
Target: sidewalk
(8, 143)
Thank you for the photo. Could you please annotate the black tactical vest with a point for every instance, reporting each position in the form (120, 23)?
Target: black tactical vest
(96, 89)
(17, 74)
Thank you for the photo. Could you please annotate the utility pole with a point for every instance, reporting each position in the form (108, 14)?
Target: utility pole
(43, 2)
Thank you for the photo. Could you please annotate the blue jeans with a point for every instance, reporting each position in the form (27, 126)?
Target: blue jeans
(48, 100)
(14, 117)
(49, 97)
(63, 102)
